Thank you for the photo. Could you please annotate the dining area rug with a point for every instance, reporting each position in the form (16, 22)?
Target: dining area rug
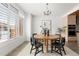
(26, 52)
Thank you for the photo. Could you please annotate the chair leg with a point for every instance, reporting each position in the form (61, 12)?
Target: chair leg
(31, 50)
(51, 49)
(64, 51)
(35, 52)
(55, 48)
(42, 49)
(60, 51)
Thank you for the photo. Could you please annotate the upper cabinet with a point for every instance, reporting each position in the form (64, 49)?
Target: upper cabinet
(77, 20)
(77, 23)
(72, 20)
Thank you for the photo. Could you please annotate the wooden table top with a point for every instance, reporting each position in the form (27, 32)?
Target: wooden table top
(50, 37)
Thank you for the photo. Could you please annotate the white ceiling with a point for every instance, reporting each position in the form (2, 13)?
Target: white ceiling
(58, 9)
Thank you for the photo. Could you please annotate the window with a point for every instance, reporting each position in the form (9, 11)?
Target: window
(12, 24)
(8, 23)
(3, 24)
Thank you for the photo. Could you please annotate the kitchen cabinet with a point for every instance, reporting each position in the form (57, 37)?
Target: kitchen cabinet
(72, 20)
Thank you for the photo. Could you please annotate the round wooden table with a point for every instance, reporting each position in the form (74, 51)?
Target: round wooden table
(46, 38)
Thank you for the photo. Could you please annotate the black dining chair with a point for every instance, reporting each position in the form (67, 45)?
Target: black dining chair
(58, 46)
(35, 45)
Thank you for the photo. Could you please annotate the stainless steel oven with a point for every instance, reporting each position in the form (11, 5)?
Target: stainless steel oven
(71, 30)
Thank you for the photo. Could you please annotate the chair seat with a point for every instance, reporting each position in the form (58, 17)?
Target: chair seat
(38, 44)
(55, 43)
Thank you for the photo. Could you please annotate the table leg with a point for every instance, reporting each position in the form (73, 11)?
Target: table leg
(45, 41)
(46, 45)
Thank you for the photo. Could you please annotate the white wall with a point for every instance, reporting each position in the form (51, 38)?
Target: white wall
(36, 22)
(28, 23)
(56, 23)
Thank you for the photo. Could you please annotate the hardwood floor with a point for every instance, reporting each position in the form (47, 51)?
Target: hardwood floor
(18, 49)
(73, 46)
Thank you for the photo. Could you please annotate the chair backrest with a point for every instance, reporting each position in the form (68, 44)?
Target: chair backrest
(32, 39)
(32, 42)
(34, 34)
(60, 41)
(63, 41)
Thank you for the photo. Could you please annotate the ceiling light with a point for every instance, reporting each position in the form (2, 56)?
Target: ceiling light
(47, 11)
